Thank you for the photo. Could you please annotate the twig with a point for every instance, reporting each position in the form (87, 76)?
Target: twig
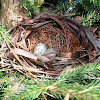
(44, 96)
(5, 38)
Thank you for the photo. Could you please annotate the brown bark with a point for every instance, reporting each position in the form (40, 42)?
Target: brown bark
(10, 13)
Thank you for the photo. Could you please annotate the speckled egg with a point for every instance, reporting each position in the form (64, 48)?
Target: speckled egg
(51, 52)
(40, 49)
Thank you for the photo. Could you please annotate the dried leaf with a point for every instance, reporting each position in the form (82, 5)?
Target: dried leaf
(25, 53)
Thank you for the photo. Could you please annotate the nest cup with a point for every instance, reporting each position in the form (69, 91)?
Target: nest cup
(51, 41)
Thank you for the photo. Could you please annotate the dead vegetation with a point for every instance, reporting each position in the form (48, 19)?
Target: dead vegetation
(47, 45)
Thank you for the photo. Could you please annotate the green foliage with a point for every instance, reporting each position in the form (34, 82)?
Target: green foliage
(87, 9)
(31, 7)
(91, 9)
(66, 6)
(80, 83)
(6, 34)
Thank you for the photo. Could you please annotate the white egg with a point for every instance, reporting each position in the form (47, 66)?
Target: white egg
(40, 49)
(51, 52)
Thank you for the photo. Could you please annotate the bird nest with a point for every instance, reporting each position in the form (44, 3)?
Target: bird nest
(54, 38)
(49, 44)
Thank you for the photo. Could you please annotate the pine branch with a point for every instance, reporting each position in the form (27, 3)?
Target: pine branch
(75, 84)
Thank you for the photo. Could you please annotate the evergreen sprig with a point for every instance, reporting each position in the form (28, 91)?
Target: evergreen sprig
(91, 11)
(80, 83)
(87, 9)
(32, 7)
